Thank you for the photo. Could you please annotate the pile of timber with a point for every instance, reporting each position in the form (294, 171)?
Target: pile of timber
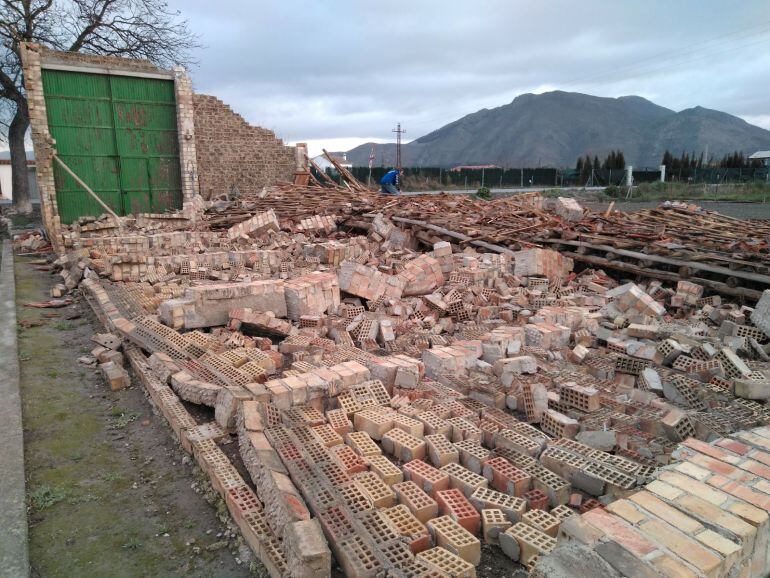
(671, 242)
(320, 195)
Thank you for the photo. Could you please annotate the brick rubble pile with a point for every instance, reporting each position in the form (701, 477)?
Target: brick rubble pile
(397, 408)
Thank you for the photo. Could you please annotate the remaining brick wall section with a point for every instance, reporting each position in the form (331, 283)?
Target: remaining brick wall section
(232, 153)
(36, 57)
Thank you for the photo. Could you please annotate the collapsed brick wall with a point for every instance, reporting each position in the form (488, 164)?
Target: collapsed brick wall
(232, 153)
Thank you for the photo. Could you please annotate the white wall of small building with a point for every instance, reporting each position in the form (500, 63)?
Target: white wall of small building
(323, 163)
(6, 184)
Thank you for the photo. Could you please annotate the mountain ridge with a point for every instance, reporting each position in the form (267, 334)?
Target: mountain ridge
(555, 128)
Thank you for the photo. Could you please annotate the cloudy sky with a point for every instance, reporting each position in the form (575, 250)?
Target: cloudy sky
(337, 73)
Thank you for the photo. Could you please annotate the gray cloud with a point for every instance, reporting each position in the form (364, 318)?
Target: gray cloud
(350, 70)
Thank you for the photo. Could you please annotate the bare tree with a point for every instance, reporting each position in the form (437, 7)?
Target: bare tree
(134, 28)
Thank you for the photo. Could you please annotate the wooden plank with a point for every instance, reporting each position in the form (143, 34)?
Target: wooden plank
(663, 275)
(667, 260)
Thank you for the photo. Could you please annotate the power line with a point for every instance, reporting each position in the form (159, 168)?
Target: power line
(398, 132)
(718, 42)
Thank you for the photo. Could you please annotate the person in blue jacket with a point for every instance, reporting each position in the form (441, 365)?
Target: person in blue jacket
(391, 182)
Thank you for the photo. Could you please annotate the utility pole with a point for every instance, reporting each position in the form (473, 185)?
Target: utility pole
(371, 162)
(398, 132)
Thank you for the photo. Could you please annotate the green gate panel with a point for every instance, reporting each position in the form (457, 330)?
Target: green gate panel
(118, 134)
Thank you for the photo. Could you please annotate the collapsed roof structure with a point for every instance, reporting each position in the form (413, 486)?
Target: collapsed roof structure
(408, 378)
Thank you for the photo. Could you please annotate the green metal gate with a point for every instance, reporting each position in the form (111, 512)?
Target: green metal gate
(118, 134)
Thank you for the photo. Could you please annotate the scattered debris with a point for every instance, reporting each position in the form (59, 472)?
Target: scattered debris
(387, 398)
(52, 303)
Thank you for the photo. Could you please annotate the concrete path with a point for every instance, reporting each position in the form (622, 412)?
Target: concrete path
(14, 559)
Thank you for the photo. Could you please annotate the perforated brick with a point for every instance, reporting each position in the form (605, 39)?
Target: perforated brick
(355, 498)
(357, 557)
(336, 523)
(328, 435)
(380, 493)
(339, 422)
(362, 443)
(374, 422)
(513, 507)
(585, 399)
(543, 521)
(378, 527)
(505, 477)
(452, 536)
(347, 459)
(472, 455)
(447, 563)
(409, 526)
(420, 504)
(410, 425)
(426, 476)
(531, 541)
(493, 522)
(464, 479)
(403, 446)
(440, 450)
(462, 429)
(396, 554)
(562, 512)
(510, 439)
(455, 505)
(536, 499)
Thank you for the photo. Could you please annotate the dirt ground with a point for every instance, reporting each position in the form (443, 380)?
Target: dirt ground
(110, 493)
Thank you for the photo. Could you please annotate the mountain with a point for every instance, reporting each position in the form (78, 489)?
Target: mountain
(555, 128)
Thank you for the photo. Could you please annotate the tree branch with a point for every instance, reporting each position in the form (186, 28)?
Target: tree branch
(96, 20)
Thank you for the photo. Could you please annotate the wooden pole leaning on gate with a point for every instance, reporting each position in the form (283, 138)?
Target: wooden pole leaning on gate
(80, 181)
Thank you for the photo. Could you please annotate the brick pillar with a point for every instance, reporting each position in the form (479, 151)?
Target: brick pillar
(186, 128)
(43, 143)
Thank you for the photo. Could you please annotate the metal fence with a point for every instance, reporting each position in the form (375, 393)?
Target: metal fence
(550, 177)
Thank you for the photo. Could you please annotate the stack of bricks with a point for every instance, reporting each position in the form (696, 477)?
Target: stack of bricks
(689, 292)
(313, 294)
(246, 319)
(257, 225)
(541, 263)
(318, 224)
(368, 283)
(630, 300)
(421, 276)
(210, 305)
(315, 386)
(444, 361)
(247, 510)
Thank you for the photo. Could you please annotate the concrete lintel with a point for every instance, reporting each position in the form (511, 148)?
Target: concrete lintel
(95, 69)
